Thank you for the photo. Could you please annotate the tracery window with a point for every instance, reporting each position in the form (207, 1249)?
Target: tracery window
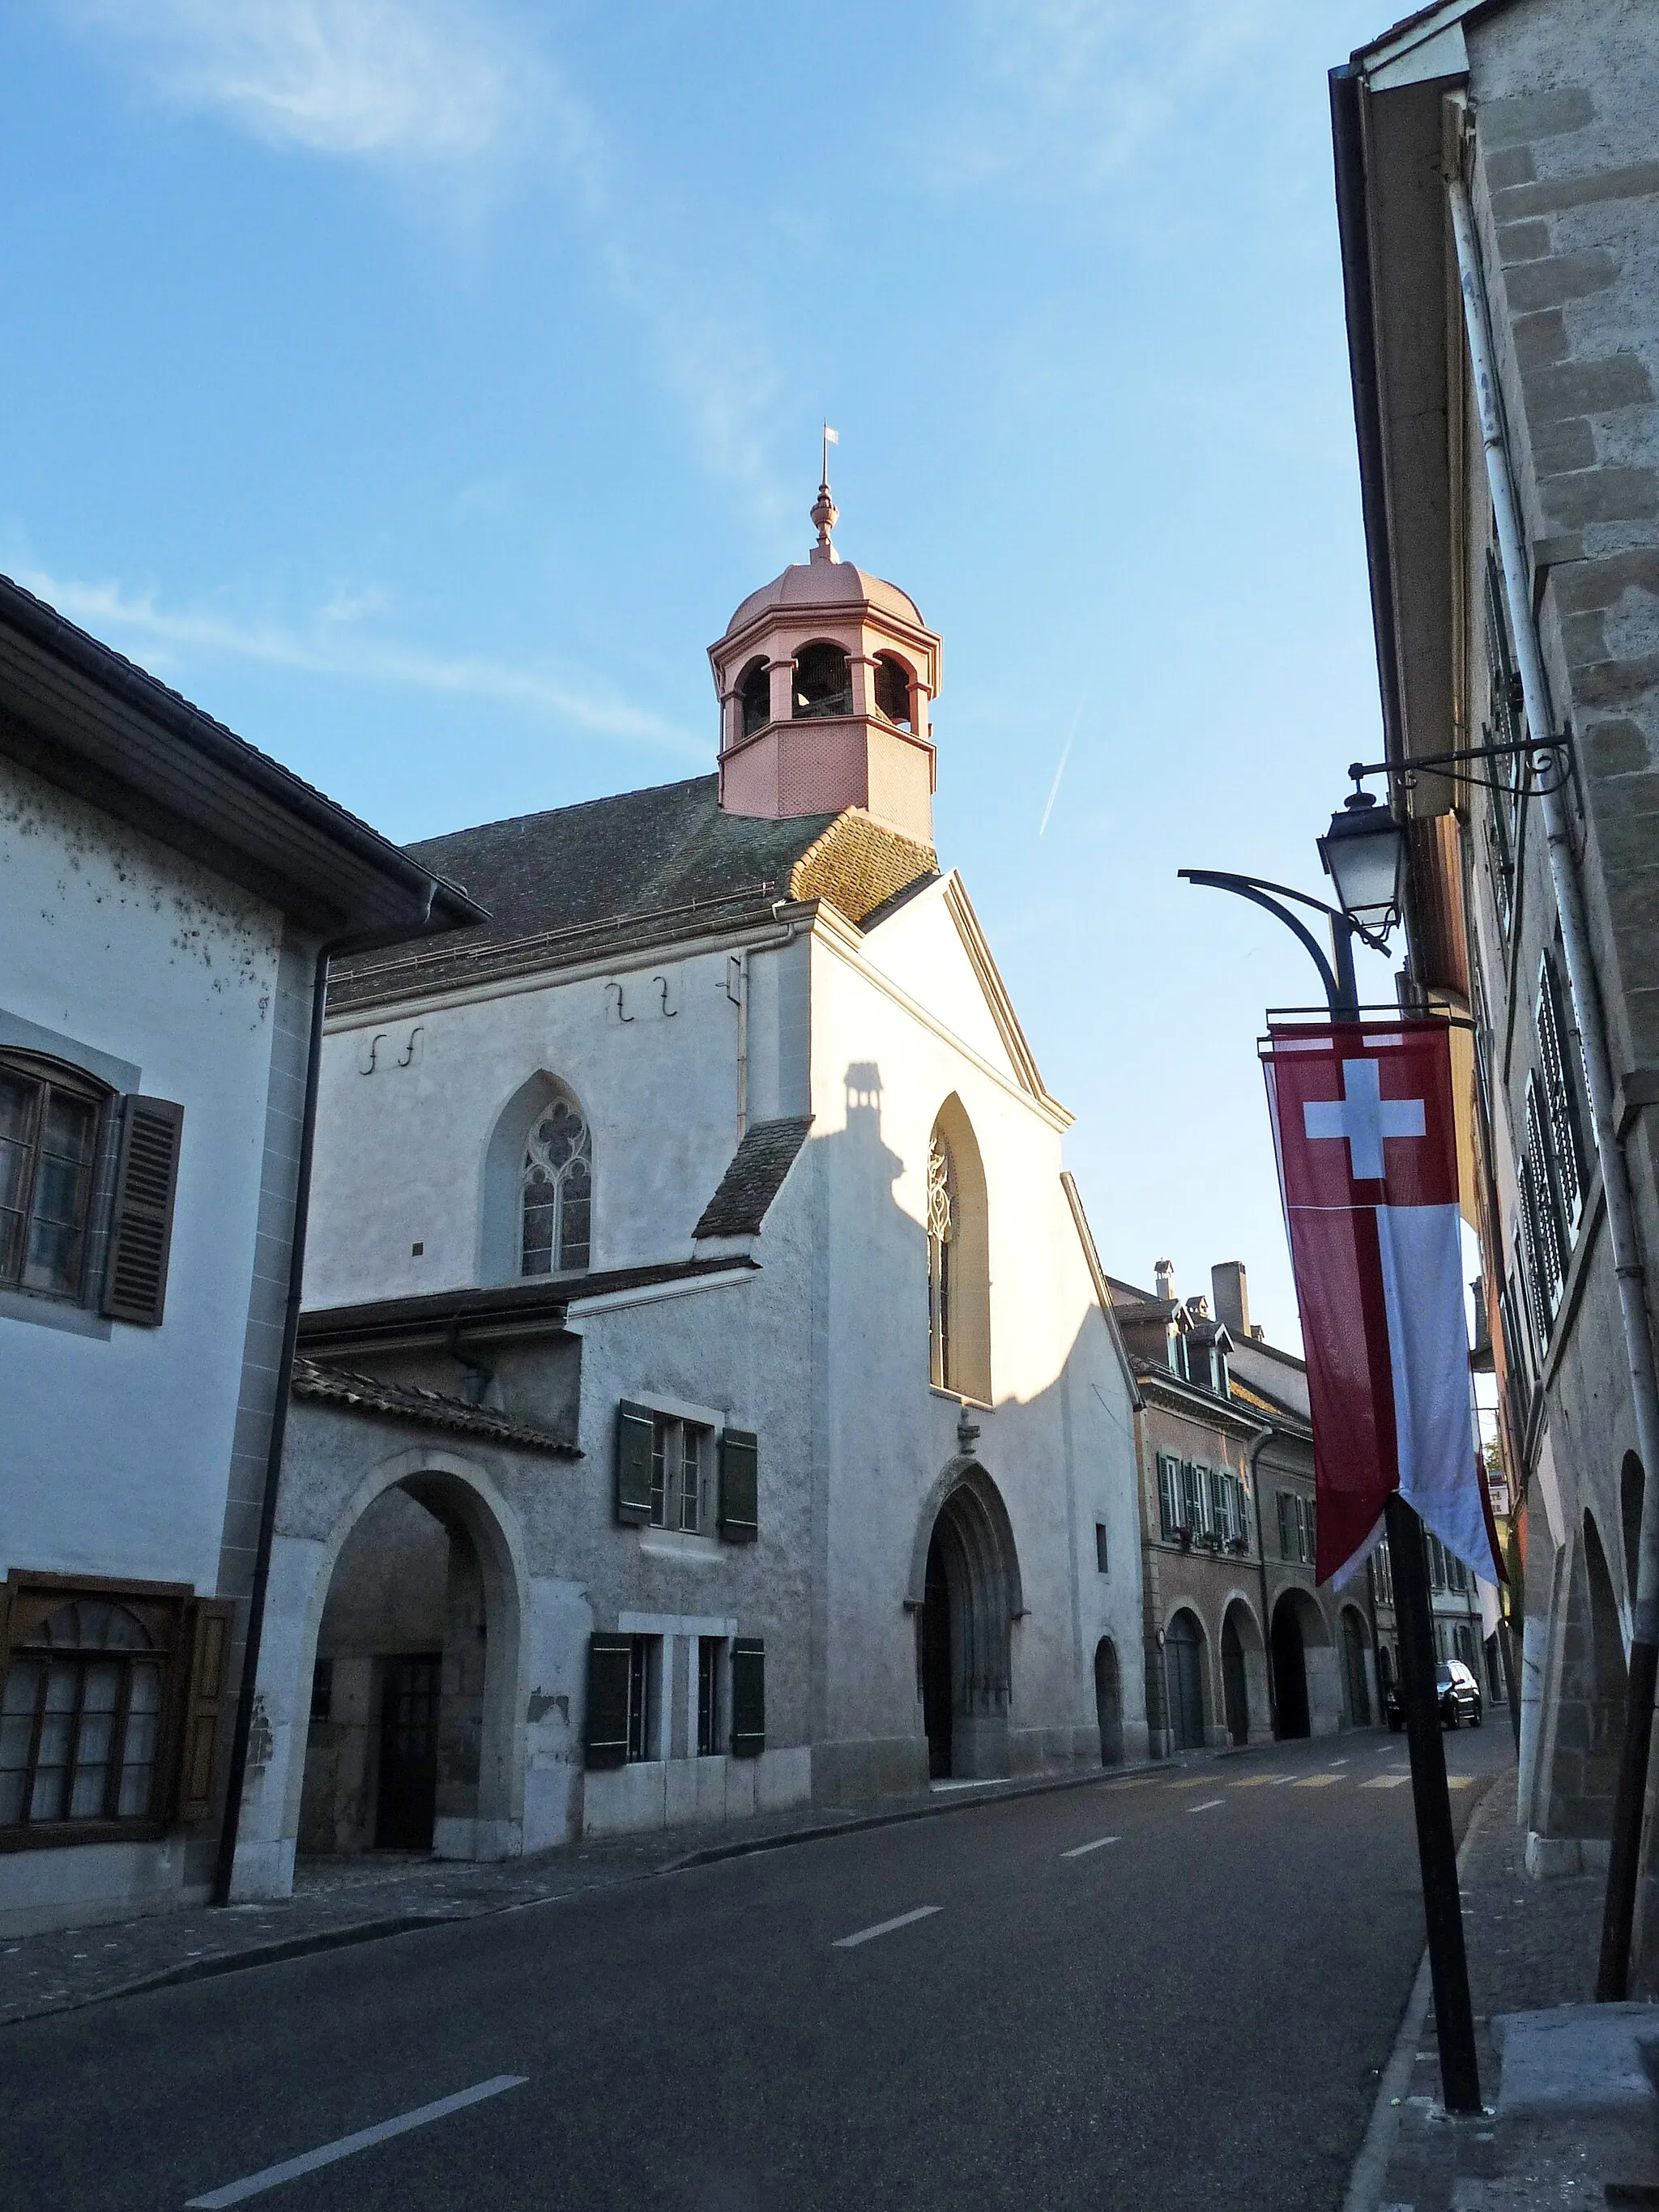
(942, 1205)
(81, 1718)
(556, 1183)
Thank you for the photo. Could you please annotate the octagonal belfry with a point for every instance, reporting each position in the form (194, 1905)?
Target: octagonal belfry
(824, 678)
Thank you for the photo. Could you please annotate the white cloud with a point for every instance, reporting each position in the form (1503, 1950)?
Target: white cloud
(123, 616)
(412, 78)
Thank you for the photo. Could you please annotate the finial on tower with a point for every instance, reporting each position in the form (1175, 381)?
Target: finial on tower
(824, 512)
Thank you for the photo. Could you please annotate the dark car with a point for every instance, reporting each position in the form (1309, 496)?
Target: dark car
(1455, 1687)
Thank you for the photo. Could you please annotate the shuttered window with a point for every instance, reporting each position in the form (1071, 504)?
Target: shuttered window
(1564, 1117)
(739, 1515)
(48, 1124)
(1192, 1493)
(203, 1704)
(1169, 1503)
(141, 1235)
(1286, 1526)
(1541, 1223)
(636, 1442)
(609, 1668)
(748, 1697)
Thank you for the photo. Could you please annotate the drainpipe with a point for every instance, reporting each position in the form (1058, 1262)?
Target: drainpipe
(225, 1865)
(1618, 1914)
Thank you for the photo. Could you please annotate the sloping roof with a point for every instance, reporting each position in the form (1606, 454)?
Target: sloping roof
(367, 1393)
(754, 1178)
(83, 716)
(640, 866)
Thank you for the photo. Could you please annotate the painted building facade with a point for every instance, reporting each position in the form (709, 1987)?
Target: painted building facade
(709, 1397)
(164, 893)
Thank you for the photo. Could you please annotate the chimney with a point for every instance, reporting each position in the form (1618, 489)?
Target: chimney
(1230, 1295)
(1164, 1277)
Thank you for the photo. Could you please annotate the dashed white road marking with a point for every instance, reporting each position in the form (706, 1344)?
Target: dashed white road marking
(882, 1928)
(1208, 1806)
(271, 2177)
(1098, 1844)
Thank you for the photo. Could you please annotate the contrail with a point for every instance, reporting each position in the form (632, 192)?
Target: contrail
(1054, 792)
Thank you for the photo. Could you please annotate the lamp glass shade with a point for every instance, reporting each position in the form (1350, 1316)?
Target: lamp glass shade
(1364, 851)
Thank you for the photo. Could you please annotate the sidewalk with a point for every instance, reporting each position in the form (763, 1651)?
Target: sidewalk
(353, 1900)
(1531, 1945)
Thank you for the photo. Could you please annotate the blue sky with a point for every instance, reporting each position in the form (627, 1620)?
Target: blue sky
(419, 387)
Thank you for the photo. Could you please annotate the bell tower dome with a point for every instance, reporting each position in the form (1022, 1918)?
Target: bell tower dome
(824, 678)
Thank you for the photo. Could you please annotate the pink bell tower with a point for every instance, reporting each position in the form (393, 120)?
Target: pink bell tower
(824, 678)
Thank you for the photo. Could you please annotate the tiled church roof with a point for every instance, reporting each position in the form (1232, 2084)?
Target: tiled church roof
(569, 884)
(754, 1178)
(368, 1393)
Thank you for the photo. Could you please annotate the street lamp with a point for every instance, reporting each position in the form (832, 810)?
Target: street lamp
(1363, 852)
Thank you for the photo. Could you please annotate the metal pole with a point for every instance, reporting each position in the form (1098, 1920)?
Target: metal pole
(1436, 1848)
(1619, 1913)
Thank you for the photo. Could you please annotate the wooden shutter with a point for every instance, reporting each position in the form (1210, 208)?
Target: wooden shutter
(739, 1515)
(141, 1237)
(1169, 1505)
(1286, 1538)
(608, 1658)
(748, 1696)
(637, 1428)
(205, 1696)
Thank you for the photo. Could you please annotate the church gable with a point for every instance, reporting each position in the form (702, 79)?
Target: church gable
(932, 945)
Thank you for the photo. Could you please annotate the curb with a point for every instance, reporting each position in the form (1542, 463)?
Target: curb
(371, 1931)
(1371, 2167)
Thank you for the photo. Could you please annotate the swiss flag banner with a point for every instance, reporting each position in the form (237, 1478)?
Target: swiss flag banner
(1367, 1147)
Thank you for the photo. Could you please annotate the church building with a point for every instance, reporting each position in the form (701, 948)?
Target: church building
(708, 1400)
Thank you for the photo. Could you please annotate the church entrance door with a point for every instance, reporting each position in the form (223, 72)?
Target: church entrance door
(936, 1680)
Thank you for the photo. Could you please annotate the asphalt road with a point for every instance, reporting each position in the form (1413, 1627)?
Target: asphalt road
(1191, 2014)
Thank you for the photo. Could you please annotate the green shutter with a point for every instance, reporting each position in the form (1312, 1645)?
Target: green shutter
(748, 1697)
(635, 1428)
(607, 1699)
(1169, 1505)
(141, 1235)
(739, 1515)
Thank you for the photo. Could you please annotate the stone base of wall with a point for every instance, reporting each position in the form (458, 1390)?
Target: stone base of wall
(662, 1793)
(88, 1885)
(1552, 1857)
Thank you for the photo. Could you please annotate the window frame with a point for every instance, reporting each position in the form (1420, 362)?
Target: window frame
(49, 1074)
(670, 1434)
(581, 1155)
(34, 1596)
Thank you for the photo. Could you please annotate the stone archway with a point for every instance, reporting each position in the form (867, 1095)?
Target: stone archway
(969, 1595)
(436, 1510)
(1356, 1679)
(1243, 1674)
(1109, 1703)
(1307, 1686)
(1186, 1659)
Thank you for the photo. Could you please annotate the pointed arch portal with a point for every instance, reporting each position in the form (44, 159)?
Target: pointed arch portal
(968, 1594)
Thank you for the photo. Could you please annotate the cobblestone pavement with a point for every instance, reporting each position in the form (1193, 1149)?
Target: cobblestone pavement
(1530, 1944)
(339, 1901)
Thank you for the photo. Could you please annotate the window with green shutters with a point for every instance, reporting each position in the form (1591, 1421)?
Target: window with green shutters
(748, 1696)
(739, 1514)
(610, 1666)
(1286, 1525)
(1168, 1501)
(636, 1430)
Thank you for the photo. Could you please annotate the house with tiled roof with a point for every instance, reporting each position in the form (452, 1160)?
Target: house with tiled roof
(709, 1397)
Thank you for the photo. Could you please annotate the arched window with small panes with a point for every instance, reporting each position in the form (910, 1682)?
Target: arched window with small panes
(555, 1185)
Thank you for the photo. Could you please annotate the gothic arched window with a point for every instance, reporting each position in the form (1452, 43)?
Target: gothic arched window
(959, 1259)
(941, 1234)
(755, 697)
(556, 1183)
(824, 682)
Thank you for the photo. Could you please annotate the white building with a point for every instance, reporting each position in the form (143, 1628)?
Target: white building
(165, 891)
(709, 1400)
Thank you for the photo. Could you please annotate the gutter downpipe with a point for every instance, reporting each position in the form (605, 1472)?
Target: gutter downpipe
(225, 1865)
(1612, 1975)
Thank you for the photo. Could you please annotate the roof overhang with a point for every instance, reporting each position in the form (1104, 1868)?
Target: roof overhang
(91, 722)
(1400, 286)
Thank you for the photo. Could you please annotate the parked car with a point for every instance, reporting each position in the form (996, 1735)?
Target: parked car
(1455, 1687)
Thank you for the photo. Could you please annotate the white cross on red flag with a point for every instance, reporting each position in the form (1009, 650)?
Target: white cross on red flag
(1367, 1145)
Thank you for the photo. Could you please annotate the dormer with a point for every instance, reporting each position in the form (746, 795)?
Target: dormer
(825, 677)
